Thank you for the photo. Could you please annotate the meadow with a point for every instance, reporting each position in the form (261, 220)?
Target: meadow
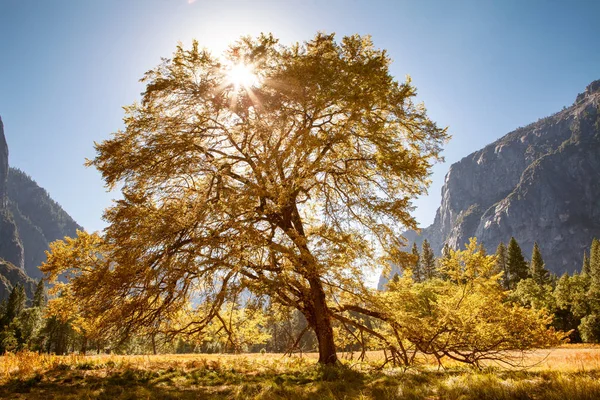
(569, 372)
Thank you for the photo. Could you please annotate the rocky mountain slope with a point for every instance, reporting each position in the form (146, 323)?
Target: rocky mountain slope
(39, 219)
(538, 183)
(11, 276)
(29, 221)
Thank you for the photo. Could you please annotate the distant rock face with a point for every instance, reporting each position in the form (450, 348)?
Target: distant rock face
(11, 248)
(3, 166)
(29, 218)
(538, 183)
(39, 219)
(10, 276)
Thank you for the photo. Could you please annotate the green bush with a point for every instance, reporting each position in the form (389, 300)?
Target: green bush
(590, 328)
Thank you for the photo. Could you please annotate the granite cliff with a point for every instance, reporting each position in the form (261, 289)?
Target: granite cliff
(29, 221)
(10, 276)
(11, 248)
(538, 183)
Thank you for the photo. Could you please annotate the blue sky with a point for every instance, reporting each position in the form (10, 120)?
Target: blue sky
(483, 68)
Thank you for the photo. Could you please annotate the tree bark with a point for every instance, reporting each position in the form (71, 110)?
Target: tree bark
(321, 322)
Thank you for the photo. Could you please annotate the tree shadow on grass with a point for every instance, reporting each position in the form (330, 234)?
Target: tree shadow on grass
(61, 383)
(308, 383)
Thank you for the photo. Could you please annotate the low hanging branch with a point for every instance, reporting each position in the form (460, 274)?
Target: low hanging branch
(466, 318)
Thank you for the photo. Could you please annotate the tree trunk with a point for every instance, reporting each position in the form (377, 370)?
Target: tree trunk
(84, 345)
(322, 323)
(154, 343)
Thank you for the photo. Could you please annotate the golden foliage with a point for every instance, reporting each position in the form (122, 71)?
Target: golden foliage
(465, 317)
(292, 188)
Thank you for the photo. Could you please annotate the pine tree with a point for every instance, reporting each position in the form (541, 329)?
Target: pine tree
(537, 269)
(15, 305)
(585, 268)
(501, 263)
(593, 294)
(516, 265)
(417, 272)
(3, 306)
(427, 260)
(595, 262)
(39, 297)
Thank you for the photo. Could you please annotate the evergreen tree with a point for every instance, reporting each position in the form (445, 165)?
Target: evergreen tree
(585, 268)
(594, 274)
(417, 272)
(595, 262)
(39, 297)
(572, 303)
(3, 306)
(537, 269)
(15, 305)
(29, 325)
(501, 263)
(516, 264)
(427, 260)
(60, 335)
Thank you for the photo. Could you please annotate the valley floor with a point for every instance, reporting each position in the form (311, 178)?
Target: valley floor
(570, 372)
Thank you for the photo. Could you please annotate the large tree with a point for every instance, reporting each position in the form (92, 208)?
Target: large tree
(284, 171)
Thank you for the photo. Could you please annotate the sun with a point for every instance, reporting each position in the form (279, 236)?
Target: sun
(242, 76)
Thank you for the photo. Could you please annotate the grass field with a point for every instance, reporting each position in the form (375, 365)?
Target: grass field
(570, 372)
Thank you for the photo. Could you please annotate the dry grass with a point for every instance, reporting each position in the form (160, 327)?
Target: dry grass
(571, 372)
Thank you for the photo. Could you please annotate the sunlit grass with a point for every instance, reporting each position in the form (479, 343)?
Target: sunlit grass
(565, 373)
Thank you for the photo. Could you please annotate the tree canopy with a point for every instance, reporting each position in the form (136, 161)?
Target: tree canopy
(289, 185)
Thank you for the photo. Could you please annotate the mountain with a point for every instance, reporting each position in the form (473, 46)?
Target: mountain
(11, 248)
(39, 219)
(11, 276)
(29, 218)
(538, 183)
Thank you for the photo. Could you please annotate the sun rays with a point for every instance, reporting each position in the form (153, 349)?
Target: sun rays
(241, 77)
